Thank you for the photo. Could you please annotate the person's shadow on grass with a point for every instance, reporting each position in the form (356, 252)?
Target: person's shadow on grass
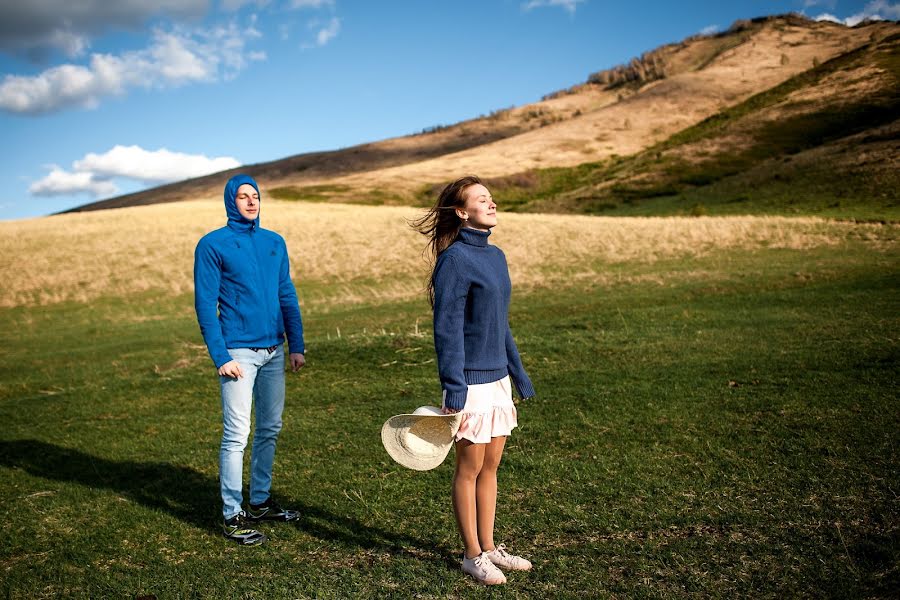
(193, 497)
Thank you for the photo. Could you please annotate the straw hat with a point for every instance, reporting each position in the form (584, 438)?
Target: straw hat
(421, 440)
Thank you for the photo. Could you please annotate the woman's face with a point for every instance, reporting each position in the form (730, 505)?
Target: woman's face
(479, 211)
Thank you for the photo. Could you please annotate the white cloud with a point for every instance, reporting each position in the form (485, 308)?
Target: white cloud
(829, 17)
(174, 58)
(880, 10)
(159, 166)
(327, 33)
(93, 174)
(64, 183)
(70, 43)
(568, 5)
(826, 3)
(232, 5)
(323, 35)
(710, 29)
(35, 27)
(877, 10)
(311, 3)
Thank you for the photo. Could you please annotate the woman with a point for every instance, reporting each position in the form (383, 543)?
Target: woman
(477, 357)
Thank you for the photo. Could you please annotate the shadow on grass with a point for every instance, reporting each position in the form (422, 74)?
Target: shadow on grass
(193, 497)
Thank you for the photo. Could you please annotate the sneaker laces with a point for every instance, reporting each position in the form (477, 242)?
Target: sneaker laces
(238, 522)
(484, 563)
(506, 559)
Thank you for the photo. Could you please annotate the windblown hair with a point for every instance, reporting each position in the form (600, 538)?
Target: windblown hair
(441, 224)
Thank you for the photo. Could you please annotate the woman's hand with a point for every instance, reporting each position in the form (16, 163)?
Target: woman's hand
(448, 411)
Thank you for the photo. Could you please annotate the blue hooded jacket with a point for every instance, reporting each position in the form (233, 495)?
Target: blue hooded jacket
(243, 292)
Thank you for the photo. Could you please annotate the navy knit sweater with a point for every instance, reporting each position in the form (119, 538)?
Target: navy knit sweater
(471, 319)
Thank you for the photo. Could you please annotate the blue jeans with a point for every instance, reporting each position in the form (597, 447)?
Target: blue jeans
(263, 381)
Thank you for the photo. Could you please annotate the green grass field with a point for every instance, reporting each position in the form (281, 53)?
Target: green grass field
(722, 426)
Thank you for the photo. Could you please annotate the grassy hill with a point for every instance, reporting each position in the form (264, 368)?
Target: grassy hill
(826, 141)
(591, 148)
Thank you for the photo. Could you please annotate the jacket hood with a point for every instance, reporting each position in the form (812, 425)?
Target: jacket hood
(235, 219)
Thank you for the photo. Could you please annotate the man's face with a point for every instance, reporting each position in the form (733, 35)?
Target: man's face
(247, 200)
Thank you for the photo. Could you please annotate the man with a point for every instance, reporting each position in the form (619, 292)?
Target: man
(245, 303)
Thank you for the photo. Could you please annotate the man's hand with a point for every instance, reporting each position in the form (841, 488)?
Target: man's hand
(231, 369)
(297, 361)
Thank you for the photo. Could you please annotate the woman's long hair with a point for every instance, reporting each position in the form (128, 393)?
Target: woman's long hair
(441, 224)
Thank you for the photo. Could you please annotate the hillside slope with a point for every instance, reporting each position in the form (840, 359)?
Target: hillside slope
(826, 141)
(619, 112)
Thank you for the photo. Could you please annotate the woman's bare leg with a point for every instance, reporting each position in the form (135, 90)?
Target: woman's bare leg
(469, 460)
(486, 492)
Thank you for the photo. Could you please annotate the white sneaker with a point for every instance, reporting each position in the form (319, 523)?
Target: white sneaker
(500, 557)
(483, 570)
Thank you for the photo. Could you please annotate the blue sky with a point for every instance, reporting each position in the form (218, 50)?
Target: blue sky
(101, 98)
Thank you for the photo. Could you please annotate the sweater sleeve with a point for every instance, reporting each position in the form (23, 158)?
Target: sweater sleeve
(516, 370)
(207, 278)
(450, 291)
(290, 307)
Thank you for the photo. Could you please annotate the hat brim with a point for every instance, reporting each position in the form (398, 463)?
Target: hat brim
(420, 442)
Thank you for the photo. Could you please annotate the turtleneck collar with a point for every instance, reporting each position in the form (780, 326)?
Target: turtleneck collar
(473, 237)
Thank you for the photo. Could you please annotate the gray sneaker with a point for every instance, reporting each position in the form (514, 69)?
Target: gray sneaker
(237, 529)
(503, 559)
(270, 511)
(483, 570)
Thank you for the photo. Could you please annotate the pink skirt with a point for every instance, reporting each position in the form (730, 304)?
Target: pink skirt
(489, 412)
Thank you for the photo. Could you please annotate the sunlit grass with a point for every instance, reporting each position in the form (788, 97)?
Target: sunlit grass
(355, 253)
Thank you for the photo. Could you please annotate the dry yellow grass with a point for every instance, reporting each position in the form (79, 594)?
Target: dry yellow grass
(347, 253)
